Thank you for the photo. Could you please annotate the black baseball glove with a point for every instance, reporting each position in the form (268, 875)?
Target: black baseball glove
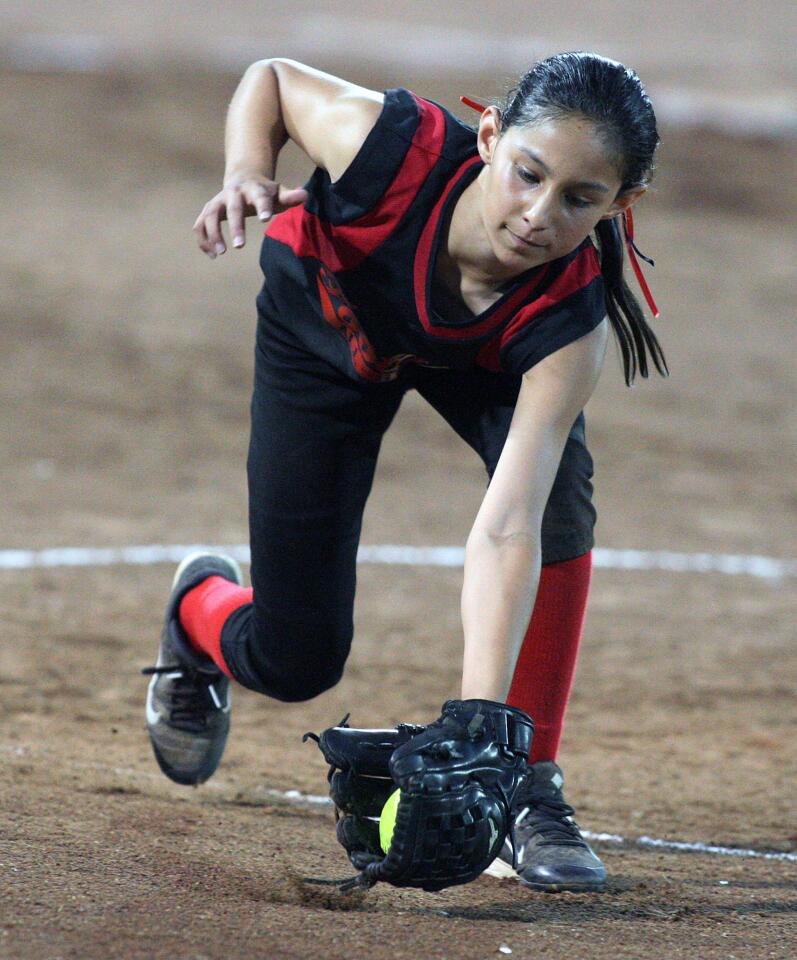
(457, 778)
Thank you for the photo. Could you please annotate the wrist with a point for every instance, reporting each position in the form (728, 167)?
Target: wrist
(239, 173)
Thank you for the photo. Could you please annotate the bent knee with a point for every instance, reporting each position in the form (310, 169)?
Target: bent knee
(294, 678)
(297, 689)
(282, 660)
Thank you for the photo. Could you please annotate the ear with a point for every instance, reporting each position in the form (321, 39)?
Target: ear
(623, 201)
(489, 133)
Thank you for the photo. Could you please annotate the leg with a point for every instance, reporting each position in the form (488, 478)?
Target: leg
(313, 449)
(547, 661)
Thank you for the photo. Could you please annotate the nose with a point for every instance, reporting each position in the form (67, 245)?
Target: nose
(538, 214)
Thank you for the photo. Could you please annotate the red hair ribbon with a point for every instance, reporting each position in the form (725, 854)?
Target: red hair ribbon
(472, 104)
(633, 250)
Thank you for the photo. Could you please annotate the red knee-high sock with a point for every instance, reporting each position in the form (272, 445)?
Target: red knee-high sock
(203, 611)
(547, 661)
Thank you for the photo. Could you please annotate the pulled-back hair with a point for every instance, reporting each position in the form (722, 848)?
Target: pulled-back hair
(612, 97)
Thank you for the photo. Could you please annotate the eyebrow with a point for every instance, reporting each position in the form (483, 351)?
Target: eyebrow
(584, 184)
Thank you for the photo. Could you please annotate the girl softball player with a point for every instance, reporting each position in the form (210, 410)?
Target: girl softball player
(482, 268)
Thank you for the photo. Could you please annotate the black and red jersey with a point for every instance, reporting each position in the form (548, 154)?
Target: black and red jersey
(350, 272)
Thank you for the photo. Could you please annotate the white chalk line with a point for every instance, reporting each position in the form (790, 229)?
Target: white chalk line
(327, 39)
(681, 846)
(766, 568)
(298, 798)
(677, 846)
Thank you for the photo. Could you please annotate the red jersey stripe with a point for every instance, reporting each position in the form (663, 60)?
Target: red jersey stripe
(344, 246)
(422, 266)
(579, 273)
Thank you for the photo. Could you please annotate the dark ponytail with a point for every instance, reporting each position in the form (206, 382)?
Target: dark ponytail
(613, 98)
(630, 327)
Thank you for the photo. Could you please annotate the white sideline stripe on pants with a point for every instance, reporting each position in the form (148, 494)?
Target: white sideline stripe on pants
(767, 568)
(295, 796)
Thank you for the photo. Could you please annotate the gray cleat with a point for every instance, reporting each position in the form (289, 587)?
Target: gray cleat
(188, 699)
(549, 852)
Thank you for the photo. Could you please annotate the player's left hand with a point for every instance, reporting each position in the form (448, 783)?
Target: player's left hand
(457, 778)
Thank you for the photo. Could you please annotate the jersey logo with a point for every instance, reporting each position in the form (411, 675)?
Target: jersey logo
(338, 313)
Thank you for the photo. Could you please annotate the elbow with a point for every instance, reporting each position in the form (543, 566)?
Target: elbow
(275, 64)
(517, 551)
(507, 535)
(518, 536)
(514, 523)
(269, 65)
(272, 65)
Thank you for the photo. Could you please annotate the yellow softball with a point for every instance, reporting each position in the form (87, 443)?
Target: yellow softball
(387, 820)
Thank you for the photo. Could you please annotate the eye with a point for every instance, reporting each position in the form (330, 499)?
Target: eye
(579, 202)
(527, 175)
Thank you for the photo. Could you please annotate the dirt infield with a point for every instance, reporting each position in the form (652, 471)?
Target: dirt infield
(126, 373)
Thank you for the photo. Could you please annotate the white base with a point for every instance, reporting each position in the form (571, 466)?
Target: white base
(504, 871)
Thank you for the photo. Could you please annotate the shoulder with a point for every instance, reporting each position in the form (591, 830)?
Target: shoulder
(412, 142)
(424, 125)
(557, 388)
(581, 359)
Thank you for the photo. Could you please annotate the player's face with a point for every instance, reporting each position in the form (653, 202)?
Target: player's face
(545, 187)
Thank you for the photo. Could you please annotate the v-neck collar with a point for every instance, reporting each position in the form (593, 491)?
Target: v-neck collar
(426, 260)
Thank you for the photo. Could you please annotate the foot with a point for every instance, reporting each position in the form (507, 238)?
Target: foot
(549, 852)
(188, 699)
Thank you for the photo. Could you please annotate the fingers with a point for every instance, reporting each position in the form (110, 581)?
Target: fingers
(235, 218)
(264, 200)
(207, 227)
(291, 196)
(277, 198)
(236, 202)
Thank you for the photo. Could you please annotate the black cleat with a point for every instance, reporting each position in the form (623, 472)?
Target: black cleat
(188, 699)
(549, 852)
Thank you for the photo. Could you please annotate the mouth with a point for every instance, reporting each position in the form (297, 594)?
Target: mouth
(528, 244)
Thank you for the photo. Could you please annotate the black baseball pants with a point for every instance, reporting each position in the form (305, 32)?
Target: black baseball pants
(315, 438)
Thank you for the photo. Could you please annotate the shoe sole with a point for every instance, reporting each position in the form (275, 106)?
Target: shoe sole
(505, 871)
(564, 887)
(192, 780)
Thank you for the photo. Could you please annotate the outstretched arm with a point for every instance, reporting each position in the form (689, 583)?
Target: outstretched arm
(277, 100)
(503, 552)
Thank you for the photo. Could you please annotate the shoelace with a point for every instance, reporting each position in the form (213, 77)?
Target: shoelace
(548, 818)
(189, 696)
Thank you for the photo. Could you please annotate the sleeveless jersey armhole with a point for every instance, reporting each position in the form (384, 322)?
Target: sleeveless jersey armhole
(366, 179)
(573, 305)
